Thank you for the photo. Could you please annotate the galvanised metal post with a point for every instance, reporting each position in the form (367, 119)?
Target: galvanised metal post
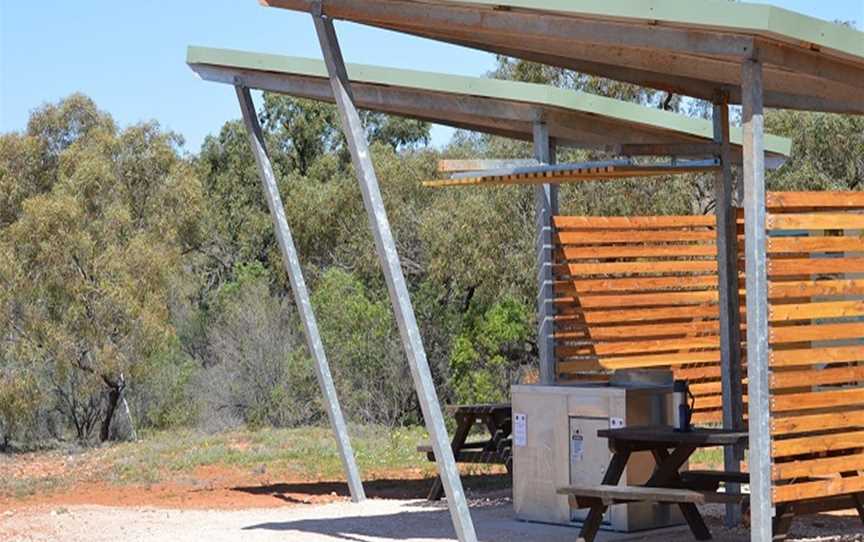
(545, 207)
(729, 301)
(755, 241)
(301, 294)
(386, 246)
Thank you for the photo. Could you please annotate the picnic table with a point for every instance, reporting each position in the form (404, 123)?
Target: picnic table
(671, 450)
(497, 450)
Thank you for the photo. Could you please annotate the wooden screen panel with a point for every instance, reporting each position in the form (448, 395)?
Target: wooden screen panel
(639, 292)
(816, 319)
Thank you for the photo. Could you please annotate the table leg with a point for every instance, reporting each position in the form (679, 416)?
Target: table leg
(612, 477)
(667, 474)
(463, 427)
(857, 498)
(782, 522)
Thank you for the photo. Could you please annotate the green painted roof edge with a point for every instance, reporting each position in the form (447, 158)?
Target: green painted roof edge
(740, 17)
(544, 95)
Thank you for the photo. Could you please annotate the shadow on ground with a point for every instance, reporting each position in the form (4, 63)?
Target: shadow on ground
(379, 489)
(430, 524)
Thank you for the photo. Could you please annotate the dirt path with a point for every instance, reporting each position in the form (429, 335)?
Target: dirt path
(376, 520)
(218, 503)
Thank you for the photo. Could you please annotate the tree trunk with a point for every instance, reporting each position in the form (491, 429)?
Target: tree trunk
(115, 391)
(113, 400)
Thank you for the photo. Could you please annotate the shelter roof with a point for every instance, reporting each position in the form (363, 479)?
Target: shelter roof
(691, 47)
(498, 107)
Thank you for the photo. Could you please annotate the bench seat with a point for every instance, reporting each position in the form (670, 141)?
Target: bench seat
(586, 496)
(710, 480)
(475, 455)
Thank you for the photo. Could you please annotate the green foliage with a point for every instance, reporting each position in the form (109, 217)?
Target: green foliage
(20, 399)
(828, 151)
(491, 352)
(236, 220)
(305, 130)
(162, 393)
(363, 347)
(90, 260)
(255, 373)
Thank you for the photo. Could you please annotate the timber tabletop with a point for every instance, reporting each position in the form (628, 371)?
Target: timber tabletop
(666, 435)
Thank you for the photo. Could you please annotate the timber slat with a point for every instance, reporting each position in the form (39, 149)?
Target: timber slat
(639, 331)
(666, 345)
(811, 356)
(838, 200)
(817, 467)
(808, 376)
(660, 360)
(809, 288)
(640, 300)
(635, 284)
(632, 222)
(637, 347)
(817, 489)
(630, 251)
(818, 399)
(814, 266)
(816, 422)
(818, 444)
(797, 245)
(632, 237)
(808, 311)
(816, 221)
(646, 267)
(639, 315)
(706, 388)
(698, 373)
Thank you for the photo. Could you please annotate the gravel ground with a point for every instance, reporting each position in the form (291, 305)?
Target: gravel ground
(376, 520)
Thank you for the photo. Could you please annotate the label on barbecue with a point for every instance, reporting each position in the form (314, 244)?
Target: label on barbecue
(520, 430)
(577, 447)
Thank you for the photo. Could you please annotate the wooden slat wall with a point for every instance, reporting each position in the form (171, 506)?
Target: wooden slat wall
(639, 292)
(816, 318)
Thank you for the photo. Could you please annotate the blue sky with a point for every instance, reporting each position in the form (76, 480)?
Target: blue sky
(129, 56)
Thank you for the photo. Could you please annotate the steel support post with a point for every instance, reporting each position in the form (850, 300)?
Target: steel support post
(545, 207)
(755, 240)
(301, 294)
(730, 319)
(386, 247)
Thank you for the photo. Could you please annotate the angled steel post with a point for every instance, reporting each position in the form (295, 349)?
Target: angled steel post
(755, 240)
(412, 342)
(545, 207)
(301, 294)
(729, 301)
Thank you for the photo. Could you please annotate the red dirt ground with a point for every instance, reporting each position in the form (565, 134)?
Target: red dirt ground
(211, 487)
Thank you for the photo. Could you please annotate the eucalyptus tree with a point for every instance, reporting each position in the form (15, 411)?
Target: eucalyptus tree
(93, 253)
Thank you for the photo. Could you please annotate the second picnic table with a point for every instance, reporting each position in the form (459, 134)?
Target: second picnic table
(671, 450)
(495, 418)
